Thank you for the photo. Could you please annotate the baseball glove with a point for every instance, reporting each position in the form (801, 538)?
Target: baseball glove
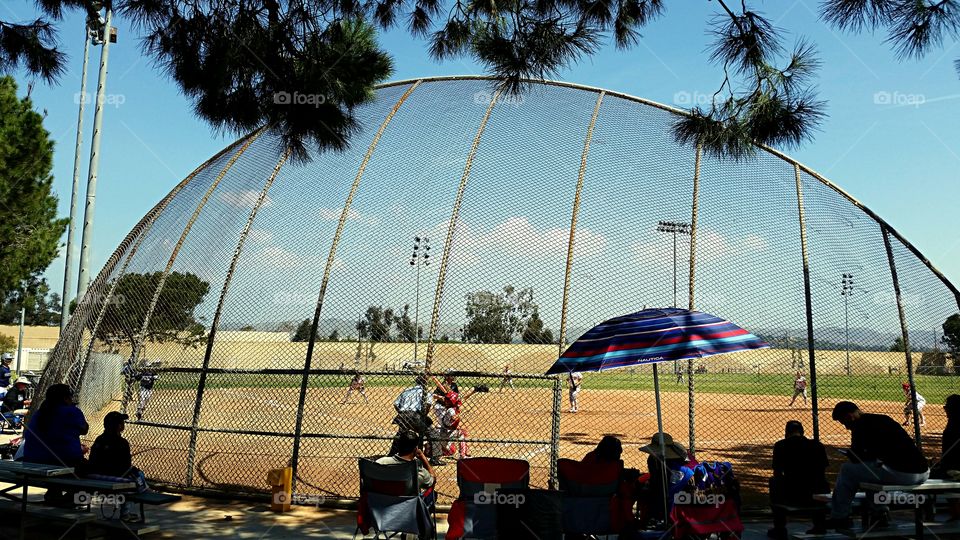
(481, 388)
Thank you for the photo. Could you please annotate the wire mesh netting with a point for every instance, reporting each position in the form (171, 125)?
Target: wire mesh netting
(284, 306)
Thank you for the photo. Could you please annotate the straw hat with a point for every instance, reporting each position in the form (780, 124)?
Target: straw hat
(673, 450)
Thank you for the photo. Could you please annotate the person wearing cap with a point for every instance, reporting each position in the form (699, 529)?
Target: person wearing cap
(908, 406)
(15, 401)
(110, 458)
(412, 407)
(665, 464)
(147, 378)
(5, 372)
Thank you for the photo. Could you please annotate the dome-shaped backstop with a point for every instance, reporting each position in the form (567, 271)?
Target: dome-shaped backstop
(259, 286)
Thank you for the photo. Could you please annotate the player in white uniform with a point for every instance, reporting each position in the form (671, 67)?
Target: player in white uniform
(908, 406)
(576, 380)
(799, 388)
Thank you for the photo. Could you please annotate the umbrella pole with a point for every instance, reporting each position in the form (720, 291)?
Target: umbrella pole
(663, 446)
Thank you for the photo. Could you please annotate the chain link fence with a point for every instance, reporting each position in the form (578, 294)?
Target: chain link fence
(259, 285)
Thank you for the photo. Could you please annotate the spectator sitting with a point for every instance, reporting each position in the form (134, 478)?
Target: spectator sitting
(609, 451)
(950, 449)
(665, 475)
(110, 458)
(15, 401)
(799, 471)
(53, 436)
(880, 451)
(407, 446)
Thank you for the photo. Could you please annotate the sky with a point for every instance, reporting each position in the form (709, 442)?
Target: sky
(891, 138)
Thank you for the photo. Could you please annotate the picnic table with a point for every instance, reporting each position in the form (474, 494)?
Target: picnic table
(22, 474)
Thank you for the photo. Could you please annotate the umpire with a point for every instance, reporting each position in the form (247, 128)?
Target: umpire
(413, 406)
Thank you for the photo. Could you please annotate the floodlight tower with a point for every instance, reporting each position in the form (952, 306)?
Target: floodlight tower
(419, 258)
(674, 228)
(847, 291)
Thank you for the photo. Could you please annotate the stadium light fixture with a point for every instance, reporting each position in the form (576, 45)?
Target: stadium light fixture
(674, 228)
(418, 259)
(847, 291)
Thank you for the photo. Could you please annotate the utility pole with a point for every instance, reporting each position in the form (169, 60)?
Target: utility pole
(420, 257)
(847, 291)
(106, 36)
(88, 33)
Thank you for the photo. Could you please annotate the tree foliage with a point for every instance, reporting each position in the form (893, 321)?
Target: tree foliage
(29, 231)
(173, 318)
(535, 332)
(41, 307)
(376, 324)
(498, 317)
(244, 62)
(7, 344)
(302, 334)
(951, 335)
(898, 345)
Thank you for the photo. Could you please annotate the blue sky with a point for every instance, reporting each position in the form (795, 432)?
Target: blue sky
(891, 139)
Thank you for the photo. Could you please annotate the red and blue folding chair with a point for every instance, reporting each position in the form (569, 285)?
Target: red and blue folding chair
(591, 501)
(391, 503)
(474, 513)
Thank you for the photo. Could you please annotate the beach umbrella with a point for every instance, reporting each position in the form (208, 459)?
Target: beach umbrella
(652, 336)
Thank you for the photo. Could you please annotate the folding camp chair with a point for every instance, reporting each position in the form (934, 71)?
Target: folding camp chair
(391, 503)
(474, 513)
(591, 503)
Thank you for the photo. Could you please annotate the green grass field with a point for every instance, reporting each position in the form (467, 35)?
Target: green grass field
(857, 387)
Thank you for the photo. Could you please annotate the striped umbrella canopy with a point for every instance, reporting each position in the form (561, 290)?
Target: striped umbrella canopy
(652, 336)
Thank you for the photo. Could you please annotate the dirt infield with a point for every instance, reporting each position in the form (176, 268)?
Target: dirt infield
(519, 420)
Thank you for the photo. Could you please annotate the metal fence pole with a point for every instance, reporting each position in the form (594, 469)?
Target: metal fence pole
(454, 216)
(808, 306)
(694, 212)
(331, 257)
(905, 334)
(573, 223)
(211, 337)
(555, 433)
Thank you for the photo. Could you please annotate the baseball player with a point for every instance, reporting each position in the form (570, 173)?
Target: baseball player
(908, 406)
(576, 380)
(799, 388)
(147, 379)
(5, 372)
(507, 379)
(678, 371)
(356, 384)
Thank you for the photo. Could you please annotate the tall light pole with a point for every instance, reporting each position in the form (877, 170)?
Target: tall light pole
(419, 258)
(89, 32)
(105, 36)
(674, 228)
(847, 291)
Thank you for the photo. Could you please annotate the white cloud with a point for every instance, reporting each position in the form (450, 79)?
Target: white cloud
(516, 236)
(245, 198)
(333, 214)
(277, 257)
(711, 246)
